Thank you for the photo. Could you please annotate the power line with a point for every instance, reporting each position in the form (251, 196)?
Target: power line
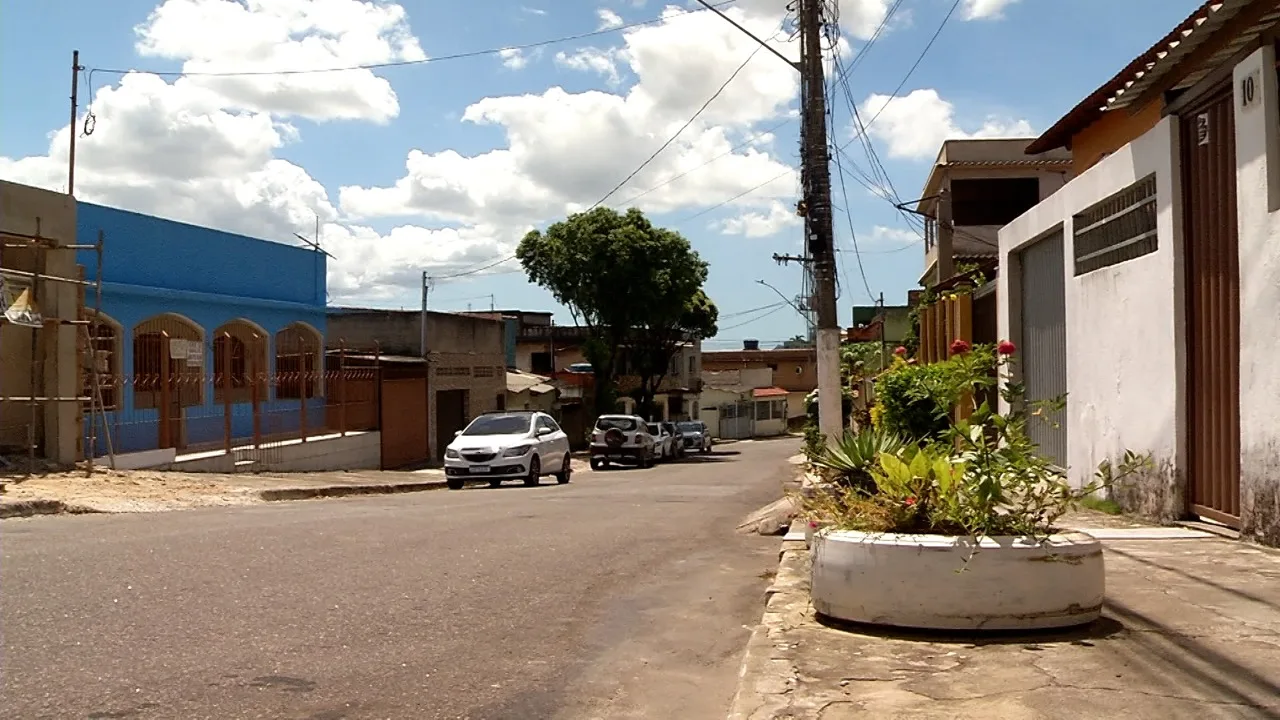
(752, 310)
(755, 319)
(683, 127)
(405, 63)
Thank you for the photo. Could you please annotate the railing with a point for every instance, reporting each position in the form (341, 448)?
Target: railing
(239, 412)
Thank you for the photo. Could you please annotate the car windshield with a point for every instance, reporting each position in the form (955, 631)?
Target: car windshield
(498, 425)
(690, 427)
(625, 424)
(653, 429)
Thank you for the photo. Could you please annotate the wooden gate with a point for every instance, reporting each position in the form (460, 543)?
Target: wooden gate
(404, 423)
(1044, 342)
(1208, 150)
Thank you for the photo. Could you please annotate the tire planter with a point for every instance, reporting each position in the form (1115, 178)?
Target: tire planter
(914, 581)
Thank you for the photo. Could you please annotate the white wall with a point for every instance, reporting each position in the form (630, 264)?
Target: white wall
(1258, 199)
(1124, 322)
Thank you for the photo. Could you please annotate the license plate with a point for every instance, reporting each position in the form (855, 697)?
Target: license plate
(479, 469)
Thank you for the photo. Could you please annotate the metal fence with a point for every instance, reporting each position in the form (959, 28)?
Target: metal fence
(737, 421)
(248, 415)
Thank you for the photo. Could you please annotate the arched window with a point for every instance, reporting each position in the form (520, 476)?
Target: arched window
(240, 357)
(103, 356)
(299, 349)
(168, 346)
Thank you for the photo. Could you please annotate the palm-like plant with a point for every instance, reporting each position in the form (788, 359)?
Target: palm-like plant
(853, 458)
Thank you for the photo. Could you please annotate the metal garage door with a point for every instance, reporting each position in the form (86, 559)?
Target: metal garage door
(404, 423)
(1044, 341)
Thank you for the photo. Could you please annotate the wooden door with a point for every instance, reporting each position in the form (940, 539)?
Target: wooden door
(1212, 266)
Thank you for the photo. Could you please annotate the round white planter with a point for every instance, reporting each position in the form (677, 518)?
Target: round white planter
(914, 581)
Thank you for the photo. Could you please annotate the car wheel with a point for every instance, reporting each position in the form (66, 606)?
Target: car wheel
(566, 470)
(454, 483)
(648, 460)
(596, 464)
(535, 471)
(495, 482)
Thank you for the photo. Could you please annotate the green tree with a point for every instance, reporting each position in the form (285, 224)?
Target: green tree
(656, 342)
(622, 277)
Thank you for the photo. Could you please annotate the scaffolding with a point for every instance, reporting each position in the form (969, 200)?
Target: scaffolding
(22, 291)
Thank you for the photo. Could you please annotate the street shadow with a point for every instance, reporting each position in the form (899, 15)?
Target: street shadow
(1242, 594)
(1103, 627)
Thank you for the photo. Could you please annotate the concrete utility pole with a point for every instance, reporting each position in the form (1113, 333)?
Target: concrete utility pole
(821, 237)
(426, 288)
(75, 111)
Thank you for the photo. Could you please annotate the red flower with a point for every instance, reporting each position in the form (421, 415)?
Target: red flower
(910, 501)
(1006, 348)
(900, 351)
(813, 524)
(959, 347)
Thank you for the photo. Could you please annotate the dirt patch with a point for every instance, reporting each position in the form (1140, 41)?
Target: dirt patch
(132, 490)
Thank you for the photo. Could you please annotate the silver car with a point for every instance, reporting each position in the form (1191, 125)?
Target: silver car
(695, 436)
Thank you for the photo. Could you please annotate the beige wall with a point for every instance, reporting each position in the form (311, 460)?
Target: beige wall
(57, 369)
(792, 370)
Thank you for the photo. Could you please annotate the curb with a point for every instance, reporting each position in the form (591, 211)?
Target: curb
(30, 508)
(768, 675)
(328, 491)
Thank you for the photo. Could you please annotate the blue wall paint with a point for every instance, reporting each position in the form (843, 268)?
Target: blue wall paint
(145, 250)
(153, 266)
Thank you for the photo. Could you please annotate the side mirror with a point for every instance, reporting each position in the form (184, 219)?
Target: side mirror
(544, 431)
(457, 433)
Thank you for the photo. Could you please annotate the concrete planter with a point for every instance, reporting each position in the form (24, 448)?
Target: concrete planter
(914, 581)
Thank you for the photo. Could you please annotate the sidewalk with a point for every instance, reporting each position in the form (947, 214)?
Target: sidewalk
(1191, 629)
(116, 491)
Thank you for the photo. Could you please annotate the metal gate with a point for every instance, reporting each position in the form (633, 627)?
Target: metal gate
(737, 420)
(1212, 266)
(1044, 342)
(404, 423)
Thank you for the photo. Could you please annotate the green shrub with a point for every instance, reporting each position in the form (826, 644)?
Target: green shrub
(916, 401)
(857, 454)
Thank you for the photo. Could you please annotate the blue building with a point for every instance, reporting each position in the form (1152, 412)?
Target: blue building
(190, 314)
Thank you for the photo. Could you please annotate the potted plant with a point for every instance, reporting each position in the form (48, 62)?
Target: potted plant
(955, 527)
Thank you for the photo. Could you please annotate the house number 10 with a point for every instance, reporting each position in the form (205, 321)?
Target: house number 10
(1249, 90)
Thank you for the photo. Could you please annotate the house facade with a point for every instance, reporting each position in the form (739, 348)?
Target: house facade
(1147, 288)
(195, 321)
(793, 369)
(466, 358)
(974, 188)
(38, 230)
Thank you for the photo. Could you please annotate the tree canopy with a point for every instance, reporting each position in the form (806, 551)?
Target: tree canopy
(632, 283)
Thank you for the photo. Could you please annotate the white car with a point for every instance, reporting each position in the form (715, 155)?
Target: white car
(695, 436)
(621, 439)
(663, 441)
(508, 446)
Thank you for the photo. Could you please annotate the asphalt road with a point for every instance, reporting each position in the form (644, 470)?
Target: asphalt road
(625, 594)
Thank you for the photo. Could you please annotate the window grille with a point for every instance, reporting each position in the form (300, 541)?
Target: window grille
(1121, 227)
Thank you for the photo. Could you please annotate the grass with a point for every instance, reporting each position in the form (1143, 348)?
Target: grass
(1100, 505)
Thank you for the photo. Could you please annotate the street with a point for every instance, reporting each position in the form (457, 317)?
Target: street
(625, 594)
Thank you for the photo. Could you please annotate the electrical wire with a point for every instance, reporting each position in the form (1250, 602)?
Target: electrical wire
(405, 63)
(683, 127)
(752, 310)
(755, 319)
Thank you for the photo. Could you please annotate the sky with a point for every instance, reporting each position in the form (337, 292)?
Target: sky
(487, 119)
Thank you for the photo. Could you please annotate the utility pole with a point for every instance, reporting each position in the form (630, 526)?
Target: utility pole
(884, 321)
(75, 112)
(820, 240)
(426, 289)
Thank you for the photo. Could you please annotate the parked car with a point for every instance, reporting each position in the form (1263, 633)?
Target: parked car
(663, 441)
(695, 436)
(622, 439)
(677, 442)
(506, 446)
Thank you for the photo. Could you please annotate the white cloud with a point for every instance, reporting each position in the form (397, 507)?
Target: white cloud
(913, 126)
(882, 238)
(603, 62)
(208, 150)
(761, 224)
(984, 9)
(215, 36)
(565, 150)
(532, 10)
(608, 19)
(513, 58)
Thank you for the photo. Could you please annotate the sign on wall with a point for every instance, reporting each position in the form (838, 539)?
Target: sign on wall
(1251, 90)
(19, 306)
